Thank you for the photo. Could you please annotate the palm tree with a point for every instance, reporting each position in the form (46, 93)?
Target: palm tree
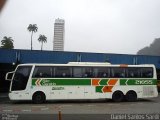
(42, 39)
(32, 28)
(7, 43)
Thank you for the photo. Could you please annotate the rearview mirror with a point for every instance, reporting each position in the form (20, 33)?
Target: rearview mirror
(9, 76)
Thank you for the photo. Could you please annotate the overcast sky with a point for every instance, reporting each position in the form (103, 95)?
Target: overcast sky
(102, 26)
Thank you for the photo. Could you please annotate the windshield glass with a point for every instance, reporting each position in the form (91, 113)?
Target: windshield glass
(21, 78)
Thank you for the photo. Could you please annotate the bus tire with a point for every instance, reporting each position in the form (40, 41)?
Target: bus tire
(131, 96)
(38, 97)
(118, 96)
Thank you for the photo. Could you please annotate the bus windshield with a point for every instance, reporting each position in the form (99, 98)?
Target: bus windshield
(21, 78)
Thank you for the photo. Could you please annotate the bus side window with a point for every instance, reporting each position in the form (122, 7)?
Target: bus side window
(147, 72)
(104, 72)
(42, 72)
(77, 72)
(63, 72)
(118, 72)
(101, 72)
(87, 72)
(133, 72)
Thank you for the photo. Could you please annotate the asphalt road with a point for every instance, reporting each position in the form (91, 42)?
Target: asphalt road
(86, 109)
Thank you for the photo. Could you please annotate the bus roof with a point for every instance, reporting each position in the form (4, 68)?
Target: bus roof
(89, 64)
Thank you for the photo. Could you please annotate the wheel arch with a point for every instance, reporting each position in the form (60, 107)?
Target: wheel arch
(120, 94)
(38, 92)
(131, 96)
(131, 91)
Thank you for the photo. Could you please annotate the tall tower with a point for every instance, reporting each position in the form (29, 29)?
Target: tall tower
(58, 42)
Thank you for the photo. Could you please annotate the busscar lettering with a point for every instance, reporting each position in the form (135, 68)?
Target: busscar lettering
(57, 88)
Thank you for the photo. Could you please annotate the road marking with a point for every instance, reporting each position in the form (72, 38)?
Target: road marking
(90, 105)
(38, 106)
(7, 110)
(26, 110)
(44, 108)
(66, 105)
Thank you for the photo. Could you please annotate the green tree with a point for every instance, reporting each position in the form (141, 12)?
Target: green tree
(7, 43)
(42, 39)
(32, 28)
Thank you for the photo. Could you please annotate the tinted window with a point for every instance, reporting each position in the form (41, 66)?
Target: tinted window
(42, 72)
(63, 72)
(78, 72)
(87, 72)
(101, 72)
(146, 72)
(82, 72)
(118, 72)
(133, 72)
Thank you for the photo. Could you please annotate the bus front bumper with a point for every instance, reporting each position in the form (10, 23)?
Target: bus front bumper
(14, 95)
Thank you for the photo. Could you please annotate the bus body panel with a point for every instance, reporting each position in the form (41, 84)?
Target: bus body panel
(84, 88)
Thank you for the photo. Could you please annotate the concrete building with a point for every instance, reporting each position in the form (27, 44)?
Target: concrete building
(59, 30)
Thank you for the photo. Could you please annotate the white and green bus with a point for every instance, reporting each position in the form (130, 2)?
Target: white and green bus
(82, 80)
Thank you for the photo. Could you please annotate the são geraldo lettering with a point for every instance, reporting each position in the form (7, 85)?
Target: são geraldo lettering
(47, 83)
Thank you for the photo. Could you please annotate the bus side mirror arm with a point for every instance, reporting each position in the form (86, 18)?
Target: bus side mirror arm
(9, 76)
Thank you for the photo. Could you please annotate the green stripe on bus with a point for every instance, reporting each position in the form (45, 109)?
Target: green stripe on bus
(34, 81)
(99, 89)
(50, 82)
(138, 82)
(103, 82)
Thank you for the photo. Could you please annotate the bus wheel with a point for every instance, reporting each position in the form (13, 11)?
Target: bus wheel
(38, 97)
(117, 96)
(131, 96)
